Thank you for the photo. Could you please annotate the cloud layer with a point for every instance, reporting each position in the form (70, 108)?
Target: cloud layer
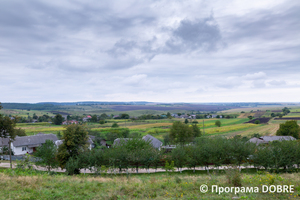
(192, 51)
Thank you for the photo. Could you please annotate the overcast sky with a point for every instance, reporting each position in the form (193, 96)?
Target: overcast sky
(159, 51)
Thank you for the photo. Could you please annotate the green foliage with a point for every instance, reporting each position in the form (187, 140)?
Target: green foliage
(115, 125)
(285, 111)
(169, 167)
(181, 133)
(47, 155)
(169, 115)
(218, 123)
(179, 157)
(233, 176)
(186, 121)
(257, 122)
(139, 151)
(59, 135)
(25, 163)
(94, 118)
(289, 128)
(101, 121)
(196, 130)
(72, 166)
(250, 117)
(58, 119)
(20, 132)
(75, 142)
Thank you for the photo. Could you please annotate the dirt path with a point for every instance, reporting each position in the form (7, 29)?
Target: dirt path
(116, 171)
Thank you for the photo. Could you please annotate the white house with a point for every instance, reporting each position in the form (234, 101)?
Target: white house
(28, 144)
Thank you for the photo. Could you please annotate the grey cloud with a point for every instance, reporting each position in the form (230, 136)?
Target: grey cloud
(267, 24)
(198, 35)
(203, 34)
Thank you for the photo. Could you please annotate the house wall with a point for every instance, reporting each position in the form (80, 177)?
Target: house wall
(18, 150)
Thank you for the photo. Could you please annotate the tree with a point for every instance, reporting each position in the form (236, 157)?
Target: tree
(196, 130)
(75, 142)
(47, 155)
(101, 121)
(7, 130)
(285, 111)
(250, 117)
(179, 156)
(94, 118)
(34, 116)
(289, 128)
(115, 125)
(58, 119)
(186, 121)
(167, 139)
(20, 132)
(257, 122)
(273, 115)
(218, 123)
(181, 133)
(169, 116)
(139, 152)
(124, 116)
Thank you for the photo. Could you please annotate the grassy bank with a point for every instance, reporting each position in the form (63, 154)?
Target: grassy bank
(139, 186)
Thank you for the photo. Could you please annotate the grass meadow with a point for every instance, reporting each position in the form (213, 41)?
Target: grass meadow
(173, 185)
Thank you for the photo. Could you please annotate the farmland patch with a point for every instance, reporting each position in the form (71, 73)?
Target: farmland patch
(261, 120)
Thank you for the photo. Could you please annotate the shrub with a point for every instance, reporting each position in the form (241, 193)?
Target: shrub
(257, 122)
(218, 123)
(233, 176)
(115, 125)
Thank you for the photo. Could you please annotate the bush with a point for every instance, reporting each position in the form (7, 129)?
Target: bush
(218, 123)
(115, 125)
(233, 176)
(257, 122)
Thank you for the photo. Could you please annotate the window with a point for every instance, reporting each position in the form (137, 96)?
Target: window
(23, 148)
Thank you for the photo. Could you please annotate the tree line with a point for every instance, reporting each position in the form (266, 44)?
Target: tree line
(135, 153)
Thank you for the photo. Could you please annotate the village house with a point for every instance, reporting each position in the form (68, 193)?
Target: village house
(153, 141)
(28, 144)
(90, 142)
(70, 122)
(4, 143)
(267, 139)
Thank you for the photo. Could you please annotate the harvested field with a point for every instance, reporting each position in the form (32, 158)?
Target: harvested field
(245, 115)
(258, 114)
(262, 120)
(288, 118)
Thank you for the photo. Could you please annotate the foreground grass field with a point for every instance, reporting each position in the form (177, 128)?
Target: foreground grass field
(139, 186)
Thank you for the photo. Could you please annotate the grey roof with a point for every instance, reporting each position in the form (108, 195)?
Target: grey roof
(272, 138)
(119, 140)
(154, 141)
(34, 140)
(257, 141)
(5, 141)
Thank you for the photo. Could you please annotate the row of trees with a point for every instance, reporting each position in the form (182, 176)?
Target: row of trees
(205, 152)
